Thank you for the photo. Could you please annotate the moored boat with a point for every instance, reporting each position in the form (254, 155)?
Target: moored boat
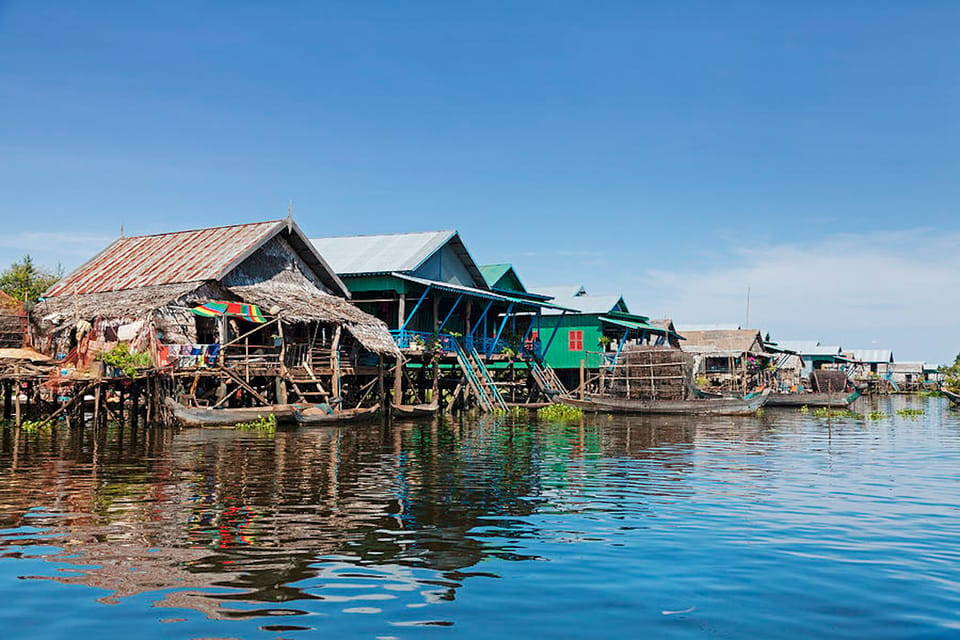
(315, 416)
(953, 397)
(836, 399)
(285, 414)
(701, 406)
(413, 410)
(209, 417)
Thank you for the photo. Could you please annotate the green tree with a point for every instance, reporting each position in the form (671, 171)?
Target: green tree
(26, 281)
(951, 375)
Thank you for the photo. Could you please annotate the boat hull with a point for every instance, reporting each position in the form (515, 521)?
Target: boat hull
(206, 417)
(413, 410)
(286, 414)
(839, 399)
(953, 397)
(706, 406)
(316, 417)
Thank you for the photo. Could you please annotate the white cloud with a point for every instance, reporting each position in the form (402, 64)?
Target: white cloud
(886, 288)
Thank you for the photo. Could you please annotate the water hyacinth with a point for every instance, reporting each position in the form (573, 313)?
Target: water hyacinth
(560, 412)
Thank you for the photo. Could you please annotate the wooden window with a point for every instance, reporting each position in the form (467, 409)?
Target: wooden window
(575, 340)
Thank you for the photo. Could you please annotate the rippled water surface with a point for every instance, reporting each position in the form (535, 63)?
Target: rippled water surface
(785, 525)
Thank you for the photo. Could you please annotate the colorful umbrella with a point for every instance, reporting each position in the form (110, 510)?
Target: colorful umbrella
(249, 312)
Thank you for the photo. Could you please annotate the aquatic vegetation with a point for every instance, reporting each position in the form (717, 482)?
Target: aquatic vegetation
(824, 412)
(35, 425)
(263, 424)
(877, 415)
(759, 412)
(934, 393)
(910, 413)
(804, 409)
(560, 412)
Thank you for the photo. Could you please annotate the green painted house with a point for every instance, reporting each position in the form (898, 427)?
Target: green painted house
(595, 334)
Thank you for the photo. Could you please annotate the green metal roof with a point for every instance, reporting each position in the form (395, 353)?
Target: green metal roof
(633, 324)
(493, 272)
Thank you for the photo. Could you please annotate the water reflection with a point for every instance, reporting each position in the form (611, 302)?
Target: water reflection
(392, 521)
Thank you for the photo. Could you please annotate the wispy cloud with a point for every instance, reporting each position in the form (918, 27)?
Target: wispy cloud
(897, 287)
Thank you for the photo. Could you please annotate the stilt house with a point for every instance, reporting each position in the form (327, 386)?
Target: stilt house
(728, 360)
(441, 310)
(245, 313)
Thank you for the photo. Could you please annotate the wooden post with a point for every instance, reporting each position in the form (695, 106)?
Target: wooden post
(96, 405)
(134, 404)
(398, 382)
(582, 365)
(7, 399)
(335, 363)
(401, 309)
(380, 388)
(16, 397)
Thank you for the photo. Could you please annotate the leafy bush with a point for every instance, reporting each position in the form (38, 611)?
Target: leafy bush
(120, 358)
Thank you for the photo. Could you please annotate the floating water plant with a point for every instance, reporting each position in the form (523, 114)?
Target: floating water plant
(560, 412)
(910, 413)
(877, 415)
(824, 412)
(35, 425)
(263, 424)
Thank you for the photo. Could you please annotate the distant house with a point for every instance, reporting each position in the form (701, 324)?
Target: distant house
(729, 359)
(871, 362)
(909, 376)
(252, 298)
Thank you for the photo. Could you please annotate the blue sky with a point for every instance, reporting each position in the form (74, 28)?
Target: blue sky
(675, 152)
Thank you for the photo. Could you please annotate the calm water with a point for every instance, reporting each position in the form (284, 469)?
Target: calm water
(781, 526)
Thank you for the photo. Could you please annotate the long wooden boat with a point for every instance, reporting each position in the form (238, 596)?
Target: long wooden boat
(207, 417)
(837, 399)
(705, 406)
(413, 410)
(286, 414)
(953, 397)
(313, 416)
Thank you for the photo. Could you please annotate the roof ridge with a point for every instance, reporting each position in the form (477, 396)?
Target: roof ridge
(374, 235)
(223, 226)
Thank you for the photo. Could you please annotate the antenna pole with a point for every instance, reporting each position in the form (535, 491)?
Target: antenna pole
(748, 308)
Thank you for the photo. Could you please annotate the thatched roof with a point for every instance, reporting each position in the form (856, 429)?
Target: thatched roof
(131, 303)
(308, 304)
(723, 342)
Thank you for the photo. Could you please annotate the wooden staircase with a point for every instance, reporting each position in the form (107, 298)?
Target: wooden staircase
(546, 378)
(479, 380)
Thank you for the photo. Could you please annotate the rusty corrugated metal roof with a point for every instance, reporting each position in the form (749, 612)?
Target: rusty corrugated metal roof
(167, 258)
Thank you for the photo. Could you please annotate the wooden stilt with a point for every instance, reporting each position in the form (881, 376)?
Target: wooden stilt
(335, 365)
(16, 397)
(582, 366)
(398, 381)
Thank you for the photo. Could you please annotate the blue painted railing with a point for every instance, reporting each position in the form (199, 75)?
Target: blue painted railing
(406, 339)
